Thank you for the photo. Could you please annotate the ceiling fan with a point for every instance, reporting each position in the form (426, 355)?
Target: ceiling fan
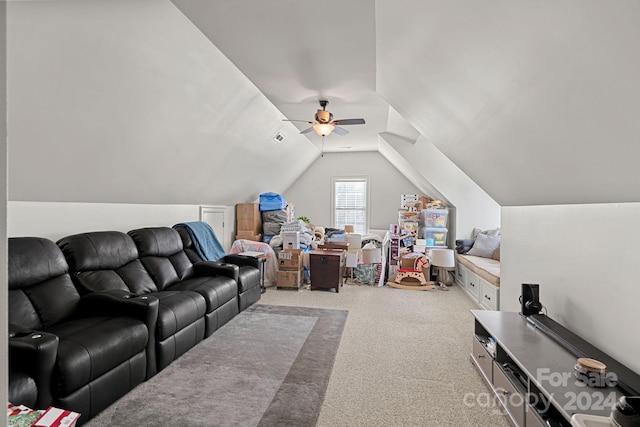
(324, 123)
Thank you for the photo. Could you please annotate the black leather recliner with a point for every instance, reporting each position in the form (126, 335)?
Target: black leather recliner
(162, 254)
(109, 260)
(100, 341)
(249, 275)
(32, 356)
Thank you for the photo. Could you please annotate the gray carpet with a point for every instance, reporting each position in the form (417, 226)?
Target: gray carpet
(269, 366)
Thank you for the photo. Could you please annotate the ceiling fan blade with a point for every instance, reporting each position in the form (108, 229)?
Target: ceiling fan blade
(343, 122)
(291, 120)
(307, 130)
(339, 130)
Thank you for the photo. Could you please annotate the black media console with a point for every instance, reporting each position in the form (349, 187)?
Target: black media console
(528, 363)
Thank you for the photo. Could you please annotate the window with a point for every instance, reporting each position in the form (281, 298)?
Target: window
(350, 203)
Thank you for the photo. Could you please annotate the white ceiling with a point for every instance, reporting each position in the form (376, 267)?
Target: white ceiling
(537, 102)
(298, 52)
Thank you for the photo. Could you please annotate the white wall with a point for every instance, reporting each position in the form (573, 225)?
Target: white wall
(585, 259)
(311, 192)
(3, 206)
(128, 102)
(537, 101)
(55, 220)
(426, 166)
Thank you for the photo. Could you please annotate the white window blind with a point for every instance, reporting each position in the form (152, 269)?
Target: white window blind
(350, 203)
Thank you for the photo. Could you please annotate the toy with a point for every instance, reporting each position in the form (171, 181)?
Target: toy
(415, 275)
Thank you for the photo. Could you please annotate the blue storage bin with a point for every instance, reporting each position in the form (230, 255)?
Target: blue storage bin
(272, 202)
(435, 236)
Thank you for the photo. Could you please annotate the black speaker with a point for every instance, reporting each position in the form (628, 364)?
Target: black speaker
(530, 299)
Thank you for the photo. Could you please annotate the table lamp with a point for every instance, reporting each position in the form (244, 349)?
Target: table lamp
(352, 260)
(371, 257)
(443, 259)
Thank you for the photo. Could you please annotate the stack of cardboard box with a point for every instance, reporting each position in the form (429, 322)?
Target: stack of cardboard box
(248, 222)
(290, 272)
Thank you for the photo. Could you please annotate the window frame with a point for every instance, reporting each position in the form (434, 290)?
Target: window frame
(359, 178)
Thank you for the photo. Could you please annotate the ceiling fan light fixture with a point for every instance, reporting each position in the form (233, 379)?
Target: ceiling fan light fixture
(324, 124)
(323, 129)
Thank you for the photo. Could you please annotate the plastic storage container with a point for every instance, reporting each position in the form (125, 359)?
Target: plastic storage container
(405, 215)
(435, 236)
(435, 218)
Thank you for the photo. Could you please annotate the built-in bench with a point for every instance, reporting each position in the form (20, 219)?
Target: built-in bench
(480, 278)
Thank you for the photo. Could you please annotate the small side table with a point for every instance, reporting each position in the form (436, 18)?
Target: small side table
(327, 269)
(262, 257)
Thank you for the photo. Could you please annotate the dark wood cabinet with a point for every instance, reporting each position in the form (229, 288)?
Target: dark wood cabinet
(327, 269)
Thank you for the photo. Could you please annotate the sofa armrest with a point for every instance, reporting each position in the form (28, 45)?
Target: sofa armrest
(34, 353)
(119, 302)
(242, 260)
(114, 302)
(217, 268)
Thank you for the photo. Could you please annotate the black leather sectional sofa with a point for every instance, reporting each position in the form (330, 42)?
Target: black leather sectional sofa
(248, 273)
(95, 314)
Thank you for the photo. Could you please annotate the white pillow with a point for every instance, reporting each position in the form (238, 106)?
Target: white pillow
(484, 246)
(492, 232)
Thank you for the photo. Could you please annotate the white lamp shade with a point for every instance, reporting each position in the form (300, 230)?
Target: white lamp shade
(371, 256)
(442, 258)
(355, 240)
(323, 129)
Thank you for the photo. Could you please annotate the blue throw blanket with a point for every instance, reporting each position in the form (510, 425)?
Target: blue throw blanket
(204, 239)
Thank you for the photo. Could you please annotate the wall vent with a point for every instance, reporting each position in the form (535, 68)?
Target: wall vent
(279, 137)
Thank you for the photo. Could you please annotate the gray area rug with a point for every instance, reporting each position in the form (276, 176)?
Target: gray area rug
(269, 366)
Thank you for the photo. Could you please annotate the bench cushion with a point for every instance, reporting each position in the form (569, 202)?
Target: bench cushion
(486, 268)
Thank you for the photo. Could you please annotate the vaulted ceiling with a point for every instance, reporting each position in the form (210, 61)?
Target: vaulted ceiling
(537, 102)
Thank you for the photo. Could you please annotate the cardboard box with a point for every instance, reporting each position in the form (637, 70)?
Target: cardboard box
(248, 211)
(248, 218)
(255, 227)
(424, 201)
(290, 259)
(289, 279)
(254, 237)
